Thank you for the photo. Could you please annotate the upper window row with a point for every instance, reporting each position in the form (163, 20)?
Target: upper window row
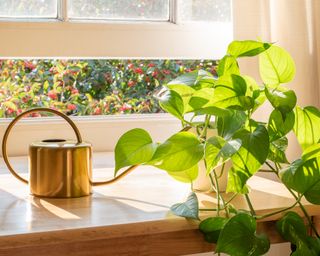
(119, 10)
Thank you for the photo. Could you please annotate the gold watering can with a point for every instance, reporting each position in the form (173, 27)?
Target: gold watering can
(58, 168)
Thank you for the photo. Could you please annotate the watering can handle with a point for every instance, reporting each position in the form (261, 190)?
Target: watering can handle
(14, 121)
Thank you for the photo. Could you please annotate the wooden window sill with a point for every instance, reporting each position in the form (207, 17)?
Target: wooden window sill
(130, 217)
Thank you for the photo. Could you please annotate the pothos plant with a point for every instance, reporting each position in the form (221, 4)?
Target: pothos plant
(227, 102)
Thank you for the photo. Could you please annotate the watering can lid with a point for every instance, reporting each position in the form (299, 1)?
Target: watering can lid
(59, 143)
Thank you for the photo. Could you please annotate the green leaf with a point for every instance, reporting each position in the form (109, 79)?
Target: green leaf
(277, 150)
(304, 177)
(134, 147)
(202, 102)
(247, 48)
(307, 125)
(230, 92)
(201, 98)
(171, 102)
(196, 79)
(255, 92)
(250, 157)
(227, 125)
(180, 152)
(236, 182)
(188, 209)
(238, 237)
(186, 176)
(311, 152)
(211, 228)
(228, 65)
(185, 93)
(292, 228)
(218, 151)
(280, 125)
(276, 66)
(282, 99)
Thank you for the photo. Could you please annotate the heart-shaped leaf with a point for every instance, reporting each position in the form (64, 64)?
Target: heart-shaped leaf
(196, 79)
(188, 209)
(134, 147)
(228, 124)
(255, 92)
(306, 128)
(304, 177)
(292, 228)
(218, 151)
(277, 150)
(185, 93)
(250, 157)
(238, 237)
(201, 98)
(171, 102)
(228, 65)
(247, 48)
(282, 99)
(211, 228)
(280, 125)
(276, 66)
(230, 92)
(186, 176)
(180, 152)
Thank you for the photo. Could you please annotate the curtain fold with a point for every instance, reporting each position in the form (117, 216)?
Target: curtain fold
(294, 25)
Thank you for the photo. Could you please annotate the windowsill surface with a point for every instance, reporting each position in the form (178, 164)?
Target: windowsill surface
(132, 213)
(138, 197)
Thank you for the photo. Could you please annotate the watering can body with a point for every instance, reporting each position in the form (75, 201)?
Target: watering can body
(58, 168)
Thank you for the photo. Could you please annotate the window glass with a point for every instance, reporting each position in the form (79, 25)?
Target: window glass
(157, 10)
(88, 87)
(28, 8)
(204, 10)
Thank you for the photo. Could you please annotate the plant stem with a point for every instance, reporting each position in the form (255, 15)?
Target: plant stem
(218, 194)
(208, 210)
(233, 197)
(304, 212)
(215, 183)
(205, 128)
(272, 168)
(253, 213)
(279, 211)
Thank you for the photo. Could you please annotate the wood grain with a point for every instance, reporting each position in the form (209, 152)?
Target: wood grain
(130, 217)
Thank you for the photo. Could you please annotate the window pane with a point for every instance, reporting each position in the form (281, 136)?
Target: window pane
(119, 9)
(28, 8)
(204, 10)
(89, 87)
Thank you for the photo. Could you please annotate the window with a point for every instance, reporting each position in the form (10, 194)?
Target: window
(119, 10)
(29, 9)
(191, 29)
(38, 33)
(204, 10)
(149, 10)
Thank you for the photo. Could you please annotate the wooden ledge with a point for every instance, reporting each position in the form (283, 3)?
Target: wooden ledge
(130, 217)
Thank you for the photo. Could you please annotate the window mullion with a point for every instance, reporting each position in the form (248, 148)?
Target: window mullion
(173, 9)
(63, 10)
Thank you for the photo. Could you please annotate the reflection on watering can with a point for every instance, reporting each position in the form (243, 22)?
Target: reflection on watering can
(58, 168)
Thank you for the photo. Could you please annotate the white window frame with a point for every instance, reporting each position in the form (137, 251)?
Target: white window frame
(79, 39)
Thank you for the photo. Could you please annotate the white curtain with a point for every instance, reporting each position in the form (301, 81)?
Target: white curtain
(294, 25)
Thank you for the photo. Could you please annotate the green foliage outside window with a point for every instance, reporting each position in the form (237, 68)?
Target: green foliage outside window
(88, 87)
